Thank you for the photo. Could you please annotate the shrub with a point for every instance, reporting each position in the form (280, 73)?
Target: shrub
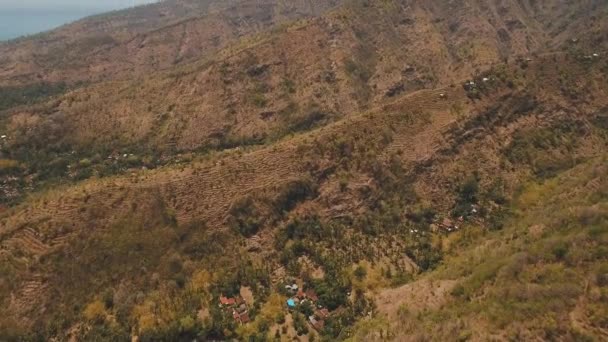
(331, 292)
(108, 298)
(245, 216)
(311, 117)
(258, 99)
(421, 214)
(304, 228)
(294, 192)
(84, 163)
(360, 272)
(299, 324)
(288, 86)
(95, 311)
(546, 150)
(187, 324)
(306, 309)
(560, 250)
(29, 94)
(9, 166)
(357, 71)
(458, 291)
(467, 196)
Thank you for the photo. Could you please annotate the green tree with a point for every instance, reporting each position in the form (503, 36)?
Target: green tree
(360, 272)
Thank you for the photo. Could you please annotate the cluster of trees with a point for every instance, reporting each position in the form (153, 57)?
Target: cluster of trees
(250, 213)
(547, 150)
(17, 96)
(41, 155)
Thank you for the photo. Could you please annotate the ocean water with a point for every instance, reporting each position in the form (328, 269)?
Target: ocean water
(20, 22)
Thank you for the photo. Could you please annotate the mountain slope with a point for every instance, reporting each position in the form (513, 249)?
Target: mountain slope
(252, 91)
(369, 146)
(129, 43)
(196, 204)
(542, 277)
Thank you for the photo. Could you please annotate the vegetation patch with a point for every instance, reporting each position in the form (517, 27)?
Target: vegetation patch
(30, 94)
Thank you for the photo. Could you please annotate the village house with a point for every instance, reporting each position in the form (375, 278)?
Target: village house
(318, 324)
(318, 319)
(244, 317)
(224, 301)
(312, 295)
(322, 313)
(302, 296)
(241, 313)
(238, 306)
(448, 225)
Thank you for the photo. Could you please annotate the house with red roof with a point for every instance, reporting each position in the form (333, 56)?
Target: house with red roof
(322, 313)
(227, 301)
(312, 295)
(244, 317)
(318, 324)
(301, 294)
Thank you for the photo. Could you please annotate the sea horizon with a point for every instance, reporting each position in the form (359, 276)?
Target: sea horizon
(15, 23)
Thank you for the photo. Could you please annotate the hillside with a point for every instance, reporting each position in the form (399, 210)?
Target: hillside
(424, 170)
(130, 43)
(252, 91)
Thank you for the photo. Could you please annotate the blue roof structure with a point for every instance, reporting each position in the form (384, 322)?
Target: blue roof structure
(291, 303)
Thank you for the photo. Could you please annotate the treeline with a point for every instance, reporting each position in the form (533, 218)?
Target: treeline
(24, 95)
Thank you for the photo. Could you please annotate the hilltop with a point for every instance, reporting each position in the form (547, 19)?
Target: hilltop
(437, 166)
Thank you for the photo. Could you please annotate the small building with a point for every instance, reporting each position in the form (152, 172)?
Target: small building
(312, 295)
(322, 313)
(291, 303)
(318, 324)
(474, 209)
(291, 288)
(301, 294)
(241, 317)
(448, 225)
(469, 85)
(244, 317)
(227, 301)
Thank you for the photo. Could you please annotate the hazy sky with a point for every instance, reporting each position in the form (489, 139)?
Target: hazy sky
(71, 4)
